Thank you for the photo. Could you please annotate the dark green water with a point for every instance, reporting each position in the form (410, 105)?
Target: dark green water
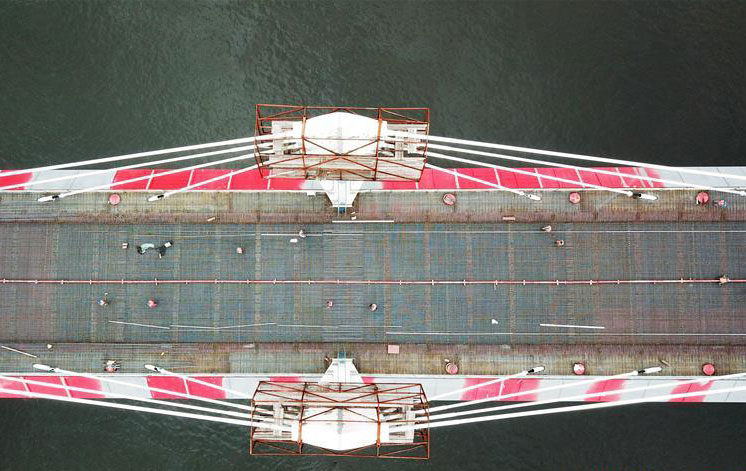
(654, 81)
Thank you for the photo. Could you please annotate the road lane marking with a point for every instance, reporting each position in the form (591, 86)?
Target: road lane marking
(140, 325)
(573, 326)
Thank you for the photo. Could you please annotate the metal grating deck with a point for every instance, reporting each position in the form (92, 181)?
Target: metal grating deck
(697, 314)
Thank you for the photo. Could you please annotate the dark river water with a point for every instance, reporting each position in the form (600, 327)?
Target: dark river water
(662, 82)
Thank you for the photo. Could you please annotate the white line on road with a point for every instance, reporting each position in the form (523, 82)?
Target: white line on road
(18, 351)
(199, 327)
(573, 326)
(140, 325)
(341, 326)
(365, 221)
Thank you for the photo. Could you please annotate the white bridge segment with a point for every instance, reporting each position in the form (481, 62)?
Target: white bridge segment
(76, 179)
(433, 385)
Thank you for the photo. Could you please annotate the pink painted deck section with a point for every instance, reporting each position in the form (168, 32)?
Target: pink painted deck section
(169, 383)
(521, 180)
(173, 181)
(486, 174)
(45, 389)
(13, 386)
(507, 179)
(509, 386)
(286, 379)
(654, 174)
(200, 390)
(513, 386)
(15, 179)
(250, 180)
(435, 179)
(285, 184)
(203, 174)
(693, 387)
(399, 185)
(603, 386)
(86, 383)
(123, 175)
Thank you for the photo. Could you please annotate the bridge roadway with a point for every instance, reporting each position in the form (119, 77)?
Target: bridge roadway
(694, 314)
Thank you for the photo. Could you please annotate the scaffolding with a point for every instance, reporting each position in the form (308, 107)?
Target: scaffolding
(341, 419)
(343, 143)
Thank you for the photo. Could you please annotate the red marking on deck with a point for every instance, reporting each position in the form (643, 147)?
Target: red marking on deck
(87, 383)
(46, 389)
(512, 386)
(492, 390)
(13, 386)
(169, 383)
(509, 386)
(547, 183)
(692, 387)
(128, 174)
(249, 180)
(286, 379)
(631, 177)
(368, 379)
(649, 172)
(435, 180)
(196, 389)
(590, 177)
(603, 386)
(203, 174)
(507, 179)
(567, 174)
(173, 181)
(486, 174)
(526, 181)
(286, 183)
(399, 185)
(15, 179)
(609, 181)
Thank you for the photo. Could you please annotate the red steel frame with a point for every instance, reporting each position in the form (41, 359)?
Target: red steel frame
(267, 113)
(337, 396)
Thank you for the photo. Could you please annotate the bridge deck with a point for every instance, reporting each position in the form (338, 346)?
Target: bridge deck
(696, 314)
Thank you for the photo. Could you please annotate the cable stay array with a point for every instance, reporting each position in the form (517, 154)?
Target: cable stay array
(107, 379)
(116, 405)
(434, 144)
(436, 420)
(105, 186)
(577, 397)
(455, 405)
(139, 155)
(548, 177)
(109, 395)
(571, 156)
(484, 182)
(579, 408)
(598, 171)
(435, 416)
(251, 418)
